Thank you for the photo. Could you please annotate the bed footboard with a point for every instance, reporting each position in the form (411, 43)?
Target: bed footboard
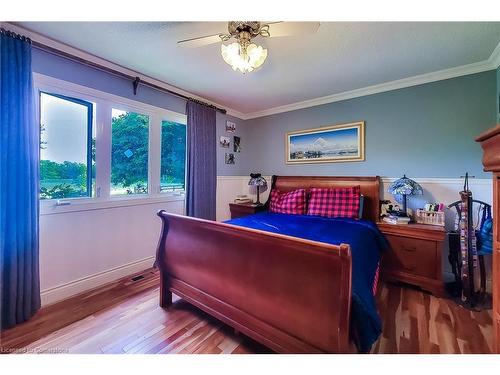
(290, 294)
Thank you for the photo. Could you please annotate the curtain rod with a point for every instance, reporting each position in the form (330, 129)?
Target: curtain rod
(136, 81)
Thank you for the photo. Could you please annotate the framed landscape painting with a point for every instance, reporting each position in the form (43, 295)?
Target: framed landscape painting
(330, 144)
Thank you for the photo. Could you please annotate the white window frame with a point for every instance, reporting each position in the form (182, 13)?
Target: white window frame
(105, 102)
(160, 134)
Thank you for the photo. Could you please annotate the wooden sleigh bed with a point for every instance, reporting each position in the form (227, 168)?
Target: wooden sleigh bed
(291, 294)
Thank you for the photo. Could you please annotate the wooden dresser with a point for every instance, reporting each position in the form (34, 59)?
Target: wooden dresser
(414, 255)
(490, 142)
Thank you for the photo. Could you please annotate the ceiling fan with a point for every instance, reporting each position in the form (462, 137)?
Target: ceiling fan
(243, 54)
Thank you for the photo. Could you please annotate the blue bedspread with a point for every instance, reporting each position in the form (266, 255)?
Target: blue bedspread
(366, 243)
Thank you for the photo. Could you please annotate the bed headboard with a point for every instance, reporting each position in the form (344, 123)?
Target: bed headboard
(370, 188)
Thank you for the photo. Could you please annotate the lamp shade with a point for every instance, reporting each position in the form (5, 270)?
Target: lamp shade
(405, 186)
(256, 179)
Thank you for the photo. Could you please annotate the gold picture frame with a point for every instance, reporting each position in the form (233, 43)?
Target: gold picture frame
(328, 144)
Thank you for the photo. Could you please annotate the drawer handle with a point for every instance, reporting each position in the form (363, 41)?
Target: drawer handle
(409, 249)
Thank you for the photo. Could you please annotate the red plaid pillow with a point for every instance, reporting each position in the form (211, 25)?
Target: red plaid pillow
(337, 202)
(293, 202)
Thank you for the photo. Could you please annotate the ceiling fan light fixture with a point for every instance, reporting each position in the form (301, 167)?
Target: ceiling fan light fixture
(230, 52)
(243, 58)
(243, 55)
(256, 55)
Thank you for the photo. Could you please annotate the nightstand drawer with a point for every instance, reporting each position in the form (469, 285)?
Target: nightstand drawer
(411, 255)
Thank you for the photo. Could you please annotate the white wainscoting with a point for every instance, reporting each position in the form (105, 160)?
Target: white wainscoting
(444, 190)
(81, 250)
(447, 190)
(228, 187)
(435, 190)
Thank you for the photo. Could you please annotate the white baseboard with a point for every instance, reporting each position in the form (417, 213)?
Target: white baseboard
(60, 292)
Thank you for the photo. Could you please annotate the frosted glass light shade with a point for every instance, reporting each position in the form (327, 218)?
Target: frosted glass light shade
(243, 60)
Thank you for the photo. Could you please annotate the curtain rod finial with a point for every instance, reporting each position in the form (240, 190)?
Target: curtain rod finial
(136, 84)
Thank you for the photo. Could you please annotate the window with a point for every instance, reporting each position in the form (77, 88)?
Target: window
(173, 156)
(96, 147)
(66, 147)
(129, 153)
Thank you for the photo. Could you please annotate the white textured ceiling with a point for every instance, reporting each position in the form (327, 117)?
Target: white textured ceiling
(339, 57)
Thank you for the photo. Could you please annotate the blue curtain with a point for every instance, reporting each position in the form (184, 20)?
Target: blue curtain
(19, 163)
(201, 161)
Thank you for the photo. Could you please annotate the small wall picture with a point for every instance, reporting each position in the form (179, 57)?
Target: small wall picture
(224, 142)
(229, 158)
(230, 127)
(236, 144)
(336, 143)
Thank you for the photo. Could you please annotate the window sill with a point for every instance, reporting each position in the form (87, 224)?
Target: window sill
(50, 207)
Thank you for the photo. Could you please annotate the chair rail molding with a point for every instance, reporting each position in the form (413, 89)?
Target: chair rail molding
(435, 188)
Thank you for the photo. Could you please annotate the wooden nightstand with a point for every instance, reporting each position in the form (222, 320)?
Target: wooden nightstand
(243, 209)
(414, 256)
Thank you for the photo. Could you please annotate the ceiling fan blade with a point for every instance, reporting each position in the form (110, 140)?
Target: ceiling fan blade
(200, 41)
(292, 28)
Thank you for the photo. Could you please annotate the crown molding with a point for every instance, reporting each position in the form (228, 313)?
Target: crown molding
(493, 62)
(106, 63)
(388, 180)
(494, 59)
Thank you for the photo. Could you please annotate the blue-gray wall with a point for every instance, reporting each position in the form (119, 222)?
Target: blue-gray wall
(423, 131)
(67, 70)
(498, 95)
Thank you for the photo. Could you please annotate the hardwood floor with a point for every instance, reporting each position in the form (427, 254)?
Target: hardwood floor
(417, 322)
(124, 317)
